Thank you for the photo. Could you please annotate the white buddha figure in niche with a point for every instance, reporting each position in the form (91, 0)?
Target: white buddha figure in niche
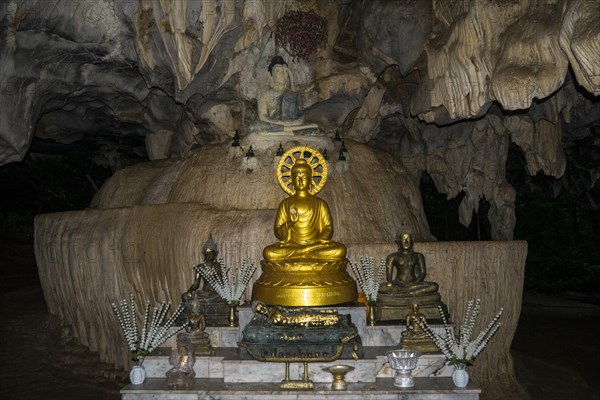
(279, 108)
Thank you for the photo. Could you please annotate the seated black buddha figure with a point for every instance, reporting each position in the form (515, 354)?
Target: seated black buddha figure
(406, 285)
(210, 304)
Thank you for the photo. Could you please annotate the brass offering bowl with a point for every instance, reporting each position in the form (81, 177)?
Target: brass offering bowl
(339, 372)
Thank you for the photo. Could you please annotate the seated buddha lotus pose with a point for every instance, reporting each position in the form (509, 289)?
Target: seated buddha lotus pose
(305, 267)
(405, 270)
(279, 108)
(414, 320)
(415, 337)
(303, 224)
(210, 266)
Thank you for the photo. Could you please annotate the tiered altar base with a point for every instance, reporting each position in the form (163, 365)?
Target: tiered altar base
(226, 376)
(381, 389)
(225, 365)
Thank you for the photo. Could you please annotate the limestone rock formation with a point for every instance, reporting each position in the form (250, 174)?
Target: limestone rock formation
(111, 74)
(149, 222)
(366, 187)
(448, 87)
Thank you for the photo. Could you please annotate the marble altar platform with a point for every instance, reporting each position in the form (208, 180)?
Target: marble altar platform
(381, 389)
(227, 366)
(225, 376)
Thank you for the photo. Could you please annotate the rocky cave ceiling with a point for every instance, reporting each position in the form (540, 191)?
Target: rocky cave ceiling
(468, 91)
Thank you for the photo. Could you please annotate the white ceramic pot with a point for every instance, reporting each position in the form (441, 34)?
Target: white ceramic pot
(137, 375)
(460, 375)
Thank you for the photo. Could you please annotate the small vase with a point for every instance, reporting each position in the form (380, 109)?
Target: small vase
(233, 315)
(460, 375)
(371, 314)
(137, 375)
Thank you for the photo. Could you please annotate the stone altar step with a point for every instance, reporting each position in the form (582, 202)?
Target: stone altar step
(226, 365)
(381, 389)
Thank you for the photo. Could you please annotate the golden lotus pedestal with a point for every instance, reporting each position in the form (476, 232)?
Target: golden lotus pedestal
(302, 283)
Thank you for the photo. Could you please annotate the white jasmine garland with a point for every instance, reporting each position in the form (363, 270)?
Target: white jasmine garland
(141, 345)
(229, 287)
(368, 279)
(463, 351)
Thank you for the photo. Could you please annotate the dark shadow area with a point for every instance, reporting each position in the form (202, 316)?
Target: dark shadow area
(555, 349)
(45, 183)
(442, 215)
(39, 358)
(562, 235)
(563, 245)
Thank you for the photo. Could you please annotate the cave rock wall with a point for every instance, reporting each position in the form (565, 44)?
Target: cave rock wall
(155, 78)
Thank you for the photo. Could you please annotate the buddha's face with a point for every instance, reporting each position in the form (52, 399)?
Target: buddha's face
(209, 255)
(301, 177)
(261, 309)
(406, 242)
(280, 74)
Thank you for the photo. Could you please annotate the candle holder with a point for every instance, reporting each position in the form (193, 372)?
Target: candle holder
(403, 362)
(339, 372)
(233, 319)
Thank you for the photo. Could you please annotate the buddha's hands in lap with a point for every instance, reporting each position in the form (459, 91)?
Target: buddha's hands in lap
(293, 122)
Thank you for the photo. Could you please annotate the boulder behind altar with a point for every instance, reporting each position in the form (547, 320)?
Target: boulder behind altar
(148, 223)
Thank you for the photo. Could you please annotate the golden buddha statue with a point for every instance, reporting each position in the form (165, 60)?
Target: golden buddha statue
(305, 267)
(414, 337)
(303, 224)
(295, 317)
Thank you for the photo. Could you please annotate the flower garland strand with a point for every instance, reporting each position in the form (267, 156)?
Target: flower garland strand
(463, 351)
(368, 279)
(300, 33)
(155, 330)
(229, 287)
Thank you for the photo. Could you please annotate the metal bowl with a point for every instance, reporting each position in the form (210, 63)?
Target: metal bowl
(403, 359)
(338, 372)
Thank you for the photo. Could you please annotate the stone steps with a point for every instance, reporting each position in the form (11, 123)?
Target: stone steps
(226, 365)
(381, 389)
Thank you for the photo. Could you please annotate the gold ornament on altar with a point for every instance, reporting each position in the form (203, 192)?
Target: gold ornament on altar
(305, 267)
(296, 317)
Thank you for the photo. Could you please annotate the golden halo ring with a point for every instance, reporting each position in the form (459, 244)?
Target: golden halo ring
(315, 160)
